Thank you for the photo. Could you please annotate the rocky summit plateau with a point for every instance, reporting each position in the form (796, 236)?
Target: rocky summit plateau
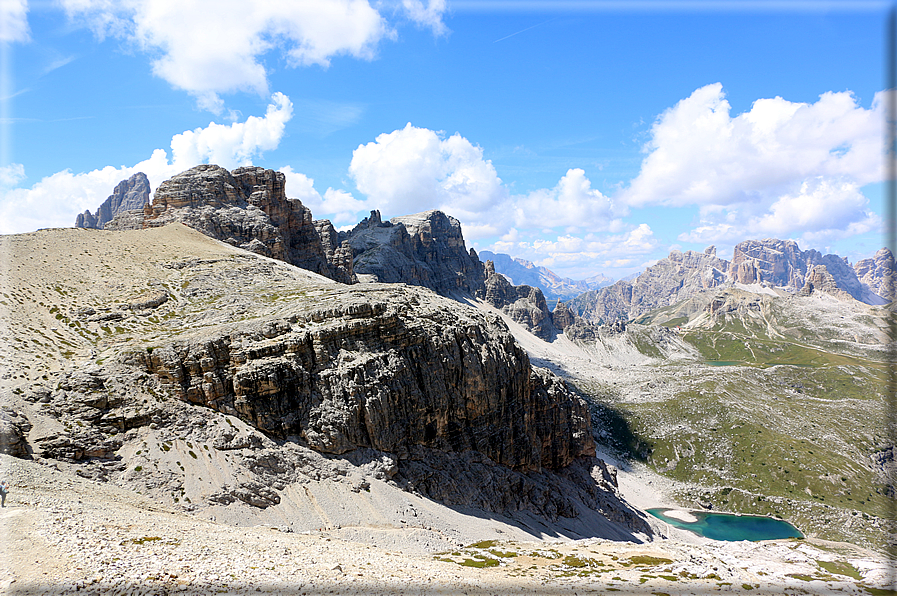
(213, 392)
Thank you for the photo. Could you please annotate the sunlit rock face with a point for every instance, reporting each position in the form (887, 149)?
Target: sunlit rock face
(878, 274)
(247, 208)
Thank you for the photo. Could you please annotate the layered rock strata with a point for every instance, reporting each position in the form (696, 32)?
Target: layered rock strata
(770, 262)
(193, 369)
(879, 274)
(358, 373)
(671, 280)
(426, 249)
(820, 280)
(128, 195)
(782, 263)
(524, 304)
(247, 208)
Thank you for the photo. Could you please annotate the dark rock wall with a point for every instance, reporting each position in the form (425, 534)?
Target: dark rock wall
(367, 374)
(524, 304)
(426, 249)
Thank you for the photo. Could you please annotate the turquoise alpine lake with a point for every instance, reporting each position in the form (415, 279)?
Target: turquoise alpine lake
(723, 363)
(730, 527)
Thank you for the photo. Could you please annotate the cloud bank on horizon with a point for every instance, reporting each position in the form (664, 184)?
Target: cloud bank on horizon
(784, 169)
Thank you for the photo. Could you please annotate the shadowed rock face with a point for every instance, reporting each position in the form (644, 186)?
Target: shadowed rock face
(128, 195)
(819, 279)
(426, 249)
(353, 373)
(524, 304)
(247, 208)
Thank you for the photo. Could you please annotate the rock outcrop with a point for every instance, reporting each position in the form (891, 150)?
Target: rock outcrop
(878, 274)
(247, 208)
(782, 263)
(671, 280)
(386, 375)
(131, 194)
(237, 381)
(524, 304)
(820, 280)
(14, 427)
(562, 316)
(426, 249)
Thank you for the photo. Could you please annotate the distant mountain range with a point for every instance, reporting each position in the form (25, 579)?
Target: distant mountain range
(553, 286)
(769, 263)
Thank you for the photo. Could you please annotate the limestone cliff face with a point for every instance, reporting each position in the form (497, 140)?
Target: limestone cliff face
(262, 379)
(820, 280)
(562, 316)
(426, 249)
(671, 280)
(524, 304)
(247, 208)
(772, 262)
(128, 195)
(359, 373)
(782, 263)
(878, 274)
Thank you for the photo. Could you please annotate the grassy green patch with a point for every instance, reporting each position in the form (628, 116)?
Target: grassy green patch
(145, 539)
(649, 560)
(880, 591)
(802, 576)
(480, 563)
(840, 568)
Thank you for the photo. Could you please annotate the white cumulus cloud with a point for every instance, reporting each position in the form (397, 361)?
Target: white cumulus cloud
(416, 169)
(210, 47)
(572, 204)
(578, 257)
(337, 205)
(14, 21)
(427, 15)
(782, 168)
(55, 200)
(234, 144)
(11, 175)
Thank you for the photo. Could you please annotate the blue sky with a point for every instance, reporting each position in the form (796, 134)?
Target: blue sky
(586, 136)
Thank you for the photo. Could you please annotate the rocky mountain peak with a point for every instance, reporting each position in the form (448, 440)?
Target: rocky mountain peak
(878, 273)
(770, 262)
(523, 304)
(247, 208)
(128, 195)
(522, 272)
(424, 249)
(819, 279)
